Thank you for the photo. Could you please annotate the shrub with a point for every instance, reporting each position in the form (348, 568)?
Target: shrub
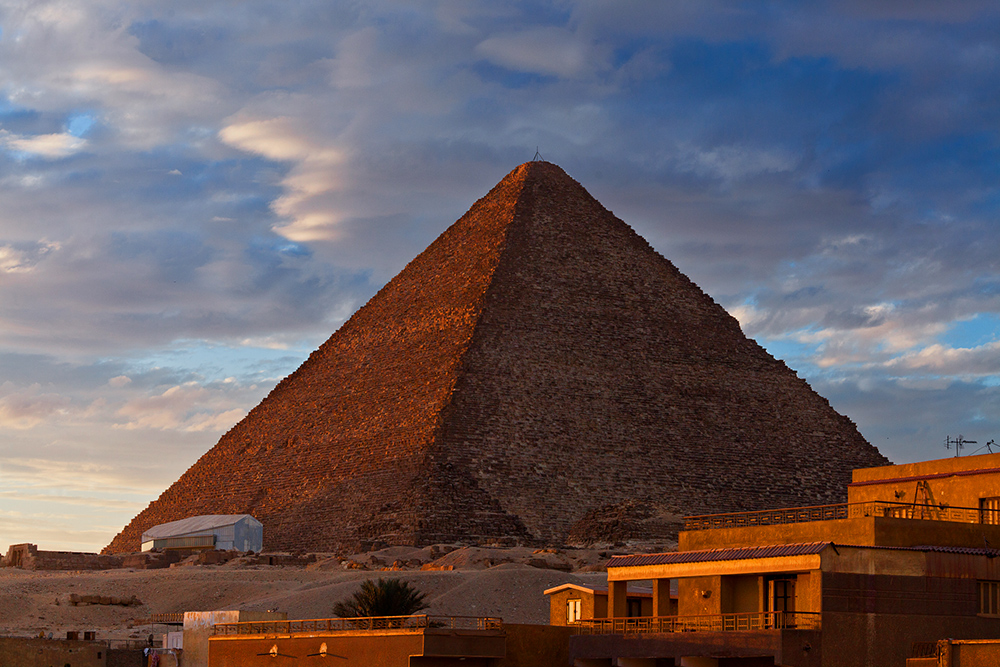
(385, 597)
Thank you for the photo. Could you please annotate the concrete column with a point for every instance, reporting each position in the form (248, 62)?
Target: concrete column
(617, 600)
(661, 597)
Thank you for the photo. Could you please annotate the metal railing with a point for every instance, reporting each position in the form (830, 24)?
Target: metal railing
(762, 620)
(129, 644)
(924, 650)
(313, 625)
(843, 511)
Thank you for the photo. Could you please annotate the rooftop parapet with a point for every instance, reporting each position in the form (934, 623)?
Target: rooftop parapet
(416, 623)
(843, 511)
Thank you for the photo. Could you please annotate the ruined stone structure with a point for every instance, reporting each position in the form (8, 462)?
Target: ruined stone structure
(537, 361)
(28, 557)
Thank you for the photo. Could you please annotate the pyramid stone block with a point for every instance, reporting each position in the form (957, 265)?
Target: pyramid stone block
(537, 361)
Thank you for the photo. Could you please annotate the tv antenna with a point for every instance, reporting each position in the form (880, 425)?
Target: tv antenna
(538, 156)
(958, 442)
(990, 444)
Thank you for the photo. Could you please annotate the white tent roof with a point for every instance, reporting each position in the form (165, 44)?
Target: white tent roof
(194, 524)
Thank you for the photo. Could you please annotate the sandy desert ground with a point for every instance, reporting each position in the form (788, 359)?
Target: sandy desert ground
(508, 583)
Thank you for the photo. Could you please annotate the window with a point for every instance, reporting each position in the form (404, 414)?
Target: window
(574, 610)
(989, 598)
(989, 511)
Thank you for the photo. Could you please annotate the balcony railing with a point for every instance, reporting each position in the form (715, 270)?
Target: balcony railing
(314, 625)
(843, 511)
(764, 620)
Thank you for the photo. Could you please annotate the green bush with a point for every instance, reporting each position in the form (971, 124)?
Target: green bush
(385, 597)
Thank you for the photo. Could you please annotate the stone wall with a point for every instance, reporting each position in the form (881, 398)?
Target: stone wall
(24, 652)
(537, 362)
(28, 557)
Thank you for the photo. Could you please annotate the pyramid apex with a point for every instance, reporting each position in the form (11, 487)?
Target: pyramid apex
(539, 166)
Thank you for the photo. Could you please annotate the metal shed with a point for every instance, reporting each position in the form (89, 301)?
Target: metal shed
(241, 532)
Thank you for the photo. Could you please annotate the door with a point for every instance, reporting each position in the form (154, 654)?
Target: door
(781, 601)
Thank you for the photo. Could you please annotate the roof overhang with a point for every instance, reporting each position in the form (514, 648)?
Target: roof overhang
(799, 563)
(575, 587)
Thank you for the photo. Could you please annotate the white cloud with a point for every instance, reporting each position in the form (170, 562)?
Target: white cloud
(282, 138)
(25, 257)
(188, 407)
(120, 381)
(550, 50)
(318, 173)
(28, 409)
(222, 421)
(70, 55)
(50, 146)
(870, 344)
(735, 162)
(982, 360)
(12, 260)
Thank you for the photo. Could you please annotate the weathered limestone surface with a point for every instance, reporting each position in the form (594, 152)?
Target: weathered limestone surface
(537, 361)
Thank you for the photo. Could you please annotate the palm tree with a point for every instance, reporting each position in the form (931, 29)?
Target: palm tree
(385, 597)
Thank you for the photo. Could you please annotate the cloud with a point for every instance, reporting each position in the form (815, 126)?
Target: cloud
(187, 407)
(316, 175)
(731, 163)
(548, 50)
(88, 501)
(29, 409)
(980, 361)
(50, 146)
(70, 476)
(13, 260)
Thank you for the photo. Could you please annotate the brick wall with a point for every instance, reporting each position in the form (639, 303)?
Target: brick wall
(537, 361)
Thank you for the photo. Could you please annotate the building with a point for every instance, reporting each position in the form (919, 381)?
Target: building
(858, 583)
(934, 486)
(72, 651)
(226, 532)
(395, 641)
(570, 603)
(199, 627)
(472, 398)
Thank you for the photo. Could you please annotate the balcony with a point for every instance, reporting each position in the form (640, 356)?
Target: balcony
(843, 511)
(763, 620)
(416, 623)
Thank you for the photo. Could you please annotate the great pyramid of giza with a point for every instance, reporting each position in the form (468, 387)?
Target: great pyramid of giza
(539, 360)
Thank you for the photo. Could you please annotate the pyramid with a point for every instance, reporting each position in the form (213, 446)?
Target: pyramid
(537, 362)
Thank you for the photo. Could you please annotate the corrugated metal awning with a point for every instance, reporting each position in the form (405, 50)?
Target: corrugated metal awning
(712, 555)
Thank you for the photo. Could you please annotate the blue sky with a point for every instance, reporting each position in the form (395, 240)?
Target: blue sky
(194, 195)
